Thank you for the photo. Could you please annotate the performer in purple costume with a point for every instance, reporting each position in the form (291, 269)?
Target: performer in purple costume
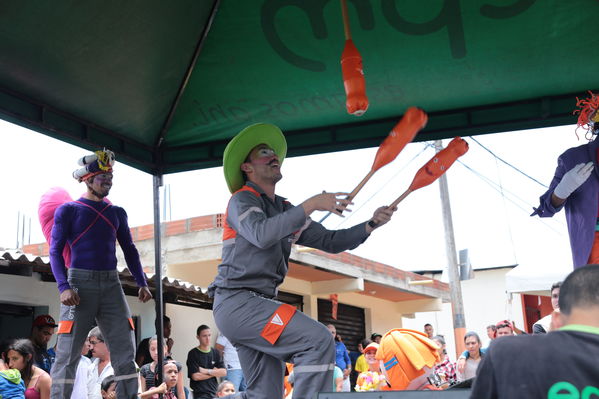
(90, 290)
(575, 187)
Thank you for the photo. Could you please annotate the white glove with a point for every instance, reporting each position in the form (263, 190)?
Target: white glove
(573, 179)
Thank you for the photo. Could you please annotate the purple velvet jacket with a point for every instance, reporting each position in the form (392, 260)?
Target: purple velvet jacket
(581, 206)
(95, 246)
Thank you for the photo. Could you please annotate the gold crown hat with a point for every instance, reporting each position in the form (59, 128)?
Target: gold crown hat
(94, 164)
(240, 146)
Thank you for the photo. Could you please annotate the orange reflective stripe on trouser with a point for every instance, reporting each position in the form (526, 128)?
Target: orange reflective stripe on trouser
(594, 256)
(131, 323)
(277, 323)
(65, 327)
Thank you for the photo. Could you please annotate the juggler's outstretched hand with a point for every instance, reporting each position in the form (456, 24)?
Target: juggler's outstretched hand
(381, 216)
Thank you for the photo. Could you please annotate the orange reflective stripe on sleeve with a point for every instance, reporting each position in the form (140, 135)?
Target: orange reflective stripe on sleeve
(594, 256)
(131, 323)
(228, 232)
(65, 326)
(277, 323)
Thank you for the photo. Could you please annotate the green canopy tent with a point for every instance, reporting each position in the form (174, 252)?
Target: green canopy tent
(166, 84)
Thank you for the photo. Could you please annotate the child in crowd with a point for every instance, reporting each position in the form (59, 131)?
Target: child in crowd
(225, 388)
(445, 368)
(373, 379)
(167, 388)
(148, 373)
(19, 354)
(11, 383)
(108, 388)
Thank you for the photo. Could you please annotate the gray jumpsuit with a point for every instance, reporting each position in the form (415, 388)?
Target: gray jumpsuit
(257, 243)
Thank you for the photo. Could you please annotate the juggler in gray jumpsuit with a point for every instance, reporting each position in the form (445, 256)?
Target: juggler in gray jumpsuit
(257, 242)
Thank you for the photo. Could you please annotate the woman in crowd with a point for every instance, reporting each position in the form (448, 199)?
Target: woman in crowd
(19, 354)
(475, 355)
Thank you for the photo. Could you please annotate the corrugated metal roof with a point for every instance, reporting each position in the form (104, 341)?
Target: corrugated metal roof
(41, 264)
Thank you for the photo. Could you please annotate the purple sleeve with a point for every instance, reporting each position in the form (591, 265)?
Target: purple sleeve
(546, 209)
(123, 236)
(59, 235)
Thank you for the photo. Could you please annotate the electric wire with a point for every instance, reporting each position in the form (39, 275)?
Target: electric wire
(493, 185)
(507, 163)
(505, 212)
(382, 187)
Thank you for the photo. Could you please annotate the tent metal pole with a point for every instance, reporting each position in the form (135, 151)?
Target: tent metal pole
(158, 278)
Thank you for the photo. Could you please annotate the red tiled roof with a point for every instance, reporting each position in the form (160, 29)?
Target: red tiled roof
(199, 223)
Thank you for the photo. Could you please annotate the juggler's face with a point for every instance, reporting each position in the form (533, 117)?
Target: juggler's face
(262, 164)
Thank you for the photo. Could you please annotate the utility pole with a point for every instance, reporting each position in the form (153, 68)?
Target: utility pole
(457, 305)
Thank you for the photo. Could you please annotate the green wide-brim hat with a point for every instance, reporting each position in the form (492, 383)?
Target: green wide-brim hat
(240, 146)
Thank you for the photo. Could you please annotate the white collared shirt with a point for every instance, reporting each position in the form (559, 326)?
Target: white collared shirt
(94, 380)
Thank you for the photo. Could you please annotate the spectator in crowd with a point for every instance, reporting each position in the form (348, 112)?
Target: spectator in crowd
(225, 388)
(231, 360)
(504, 328)
(445, 369)
(341, 357)
(204, 366)
(542, 326)
(101, 366)
(11, 383)
(108, 388)
(562, 363)
(148, 372)
(142, 356)
(80, 384)
(19, 354)
(168, 389)
(372, 379)
(491, 331)
(428, 329)
(461, 362)
(358, 363)
(41, 333)
(376, 337)
(475, 355)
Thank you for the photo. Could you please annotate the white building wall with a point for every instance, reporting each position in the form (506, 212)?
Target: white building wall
(30, 291)
(185, 321)
(485, 302)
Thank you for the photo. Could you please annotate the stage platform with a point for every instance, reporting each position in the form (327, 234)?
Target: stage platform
(448, 394)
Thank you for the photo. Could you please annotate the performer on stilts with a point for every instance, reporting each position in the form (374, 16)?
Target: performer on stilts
(575, 187)
(90, 290)
(260, 228)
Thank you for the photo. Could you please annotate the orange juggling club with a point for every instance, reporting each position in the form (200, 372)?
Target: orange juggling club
(352, 70)
(404, 132)
(434, 168)
(356, 101)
